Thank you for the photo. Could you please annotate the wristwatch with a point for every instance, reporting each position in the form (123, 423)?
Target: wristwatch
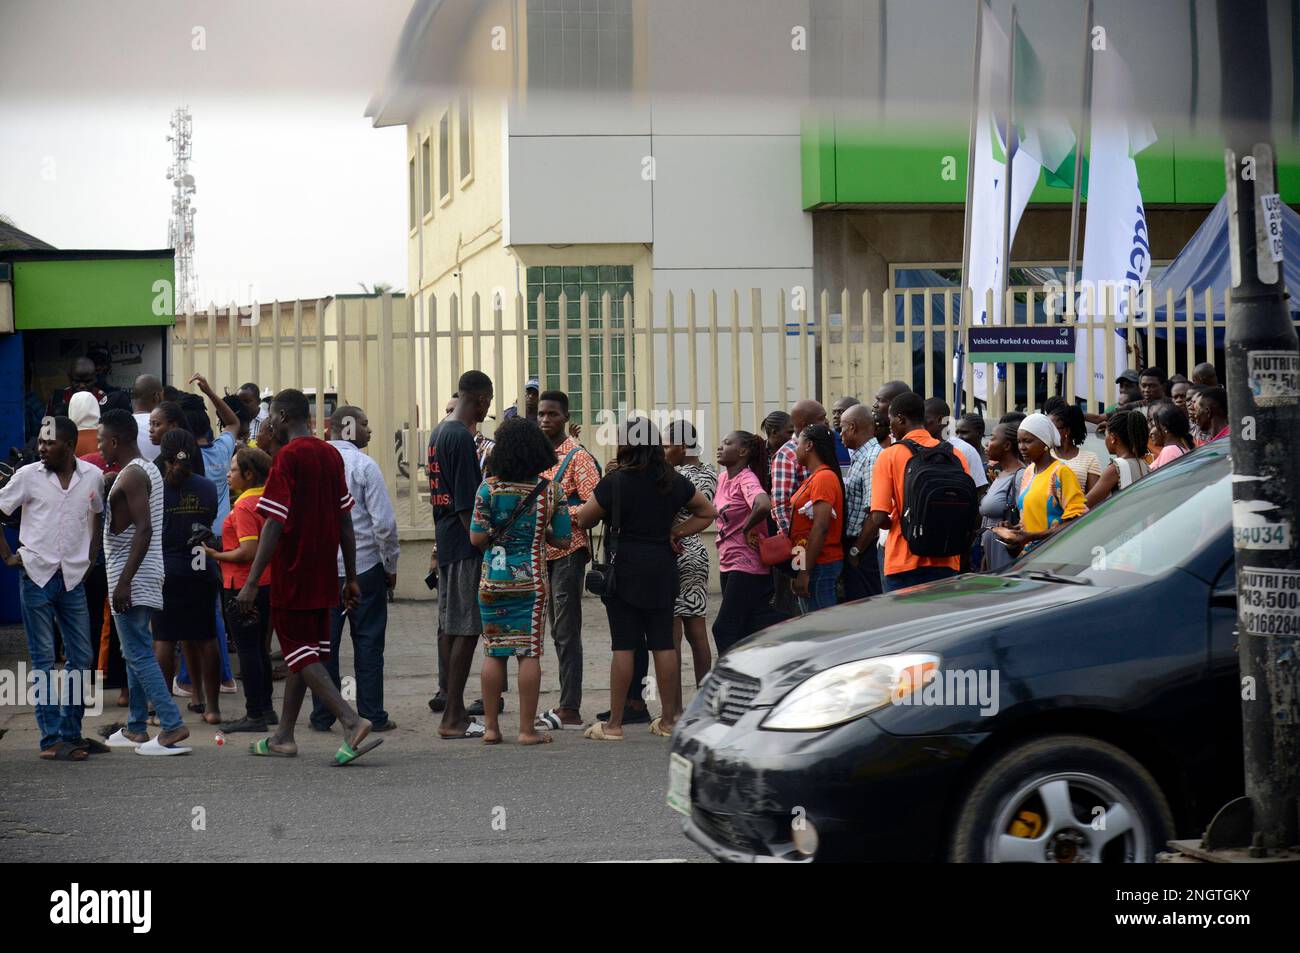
(855, 552)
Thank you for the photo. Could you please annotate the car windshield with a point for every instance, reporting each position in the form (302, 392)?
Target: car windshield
(1148, 529)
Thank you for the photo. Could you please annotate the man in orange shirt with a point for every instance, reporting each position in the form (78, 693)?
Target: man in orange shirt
(903, 567)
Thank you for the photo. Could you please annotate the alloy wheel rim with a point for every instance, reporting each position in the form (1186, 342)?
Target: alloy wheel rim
(1073, 829)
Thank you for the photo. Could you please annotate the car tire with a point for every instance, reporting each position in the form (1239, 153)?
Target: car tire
(1038, 803)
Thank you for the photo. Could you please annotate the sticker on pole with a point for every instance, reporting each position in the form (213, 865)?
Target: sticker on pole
(1270, 600)
(1274, 377)
(1251, 530)
(1271, 208)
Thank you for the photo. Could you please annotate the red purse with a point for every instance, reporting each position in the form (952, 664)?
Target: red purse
(775, 550)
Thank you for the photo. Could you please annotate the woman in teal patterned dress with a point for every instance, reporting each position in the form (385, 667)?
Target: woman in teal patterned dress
(512, 587)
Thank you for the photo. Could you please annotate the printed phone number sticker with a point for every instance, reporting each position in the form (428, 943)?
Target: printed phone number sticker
(1274, 377)
(1270, 600)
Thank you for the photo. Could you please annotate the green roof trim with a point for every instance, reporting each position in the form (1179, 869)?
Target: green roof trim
(846, 163)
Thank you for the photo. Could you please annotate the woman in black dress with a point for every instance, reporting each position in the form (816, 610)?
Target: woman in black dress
(641, 494)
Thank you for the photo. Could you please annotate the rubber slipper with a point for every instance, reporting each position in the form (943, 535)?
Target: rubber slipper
(550, 720)
(347, 754)
(93, 747)
(597, 733)
(118, 739)
(197, 708)
(156, 748)
(262, 747)
(657, 729)
(64, 751)
(475, 730)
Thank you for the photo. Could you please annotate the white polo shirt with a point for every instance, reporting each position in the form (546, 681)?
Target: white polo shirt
(57, 524)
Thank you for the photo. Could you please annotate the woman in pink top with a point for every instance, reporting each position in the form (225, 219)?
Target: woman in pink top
(743, 505)
(1171, 432)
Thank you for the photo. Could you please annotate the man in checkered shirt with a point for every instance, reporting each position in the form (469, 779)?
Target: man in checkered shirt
(861, 573)
(786, 472)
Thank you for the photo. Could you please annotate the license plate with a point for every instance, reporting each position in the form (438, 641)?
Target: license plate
(679, 784)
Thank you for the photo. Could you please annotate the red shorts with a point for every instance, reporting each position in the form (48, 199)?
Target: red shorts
(304, 635)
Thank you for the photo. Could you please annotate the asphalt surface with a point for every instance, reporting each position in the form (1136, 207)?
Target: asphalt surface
(415, 798)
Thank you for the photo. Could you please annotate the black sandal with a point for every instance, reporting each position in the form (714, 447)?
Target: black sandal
(195, 707)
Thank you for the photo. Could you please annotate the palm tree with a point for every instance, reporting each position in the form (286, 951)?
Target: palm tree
(379, 288)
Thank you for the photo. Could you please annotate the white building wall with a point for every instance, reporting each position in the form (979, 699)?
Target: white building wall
(721, 206)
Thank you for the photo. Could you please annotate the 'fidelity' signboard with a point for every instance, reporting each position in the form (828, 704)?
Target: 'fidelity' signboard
(1011, 343)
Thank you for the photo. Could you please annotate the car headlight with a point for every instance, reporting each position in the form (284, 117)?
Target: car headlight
(851, 690)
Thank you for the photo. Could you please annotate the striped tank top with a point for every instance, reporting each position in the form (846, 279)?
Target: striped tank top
(147, 584)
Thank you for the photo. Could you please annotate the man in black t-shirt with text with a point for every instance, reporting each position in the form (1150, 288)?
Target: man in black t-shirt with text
(454, 478)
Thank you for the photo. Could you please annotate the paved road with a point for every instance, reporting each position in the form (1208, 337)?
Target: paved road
(416, 798)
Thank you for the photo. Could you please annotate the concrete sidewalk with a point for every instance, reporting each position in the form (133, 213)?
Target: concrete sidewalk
(414, 798)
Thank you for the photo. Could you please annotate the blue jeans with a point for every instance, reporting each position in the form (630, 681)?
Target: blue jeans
(914, 577)
(183, 674)
(41, 605)
(821, 586)
(369, 625)
(144, 679)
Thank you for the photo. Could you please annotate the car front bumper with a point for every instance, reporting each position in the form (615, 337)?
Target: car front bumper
(870, 795)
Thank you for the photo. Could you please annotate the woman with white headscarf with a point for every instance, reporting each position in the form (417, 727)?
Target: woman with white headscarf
(84, 411)
(1050, 495)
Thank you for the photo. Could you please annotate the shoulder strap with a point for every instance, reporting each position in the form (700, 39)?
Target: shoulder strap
(498, 531)
(568, 458)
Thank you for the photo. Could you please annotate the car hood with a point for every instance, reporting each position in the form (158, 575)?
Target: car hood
(934, 617)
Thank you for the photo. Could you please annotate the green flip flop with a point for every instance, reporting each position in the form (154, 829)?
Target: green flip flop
(347, 754)
(262, 747)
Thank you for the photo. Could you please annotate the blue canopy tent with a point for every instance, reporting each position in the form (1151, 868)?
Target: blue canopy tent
(1205, 263)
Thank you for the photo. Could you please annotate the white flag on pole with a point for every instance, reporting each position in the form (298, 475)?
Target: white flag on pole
(1045, 141)
(1116, 247)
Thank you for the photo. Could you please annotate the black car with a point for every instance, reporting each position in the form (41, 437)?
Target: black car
(1084, 706)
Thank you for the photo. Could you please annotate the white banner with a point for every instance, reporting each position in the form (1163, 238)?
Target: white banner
(1116, 246)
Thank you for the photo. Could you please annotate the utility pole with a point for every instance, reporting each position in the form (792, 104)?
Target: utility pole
(1264, 412)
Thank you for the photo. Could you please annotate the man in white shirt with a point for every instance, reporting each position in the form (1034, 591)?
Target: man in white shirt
(375, 528)
(937, 418)
(61, 498)
(145, 396)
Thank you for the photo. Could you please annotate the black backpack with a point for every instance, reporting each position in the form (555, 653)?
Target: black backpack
(940, 503)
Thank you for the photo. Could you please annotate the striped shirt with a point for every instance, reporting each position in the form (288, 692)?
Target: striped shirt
(147, 583)
(857, 486)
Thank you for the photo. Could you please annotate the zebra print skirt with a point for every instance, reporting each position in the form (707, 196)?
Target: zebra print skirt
(693, 573)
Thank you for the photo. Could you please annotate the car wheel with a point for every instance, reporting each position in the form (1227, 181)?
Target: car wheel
(1063, 799)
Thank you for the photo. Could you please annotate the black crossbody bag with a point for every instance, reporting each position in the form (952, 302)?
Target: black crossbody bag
(497, 532)
(600, 577)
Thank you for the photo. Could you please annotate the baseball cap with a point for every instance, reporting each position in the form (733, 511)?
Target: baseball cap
(532, 384)
(1130, 375)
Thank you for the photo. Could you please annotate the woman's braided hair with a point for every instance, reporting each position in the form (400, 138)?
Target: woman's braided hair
(823, 441)
(757, 448)
(1130, 428)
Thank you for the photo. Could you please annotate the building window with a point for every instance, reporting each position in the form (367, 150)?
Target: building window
(463, 134)
(580, 44)
(573, 280)
(426, 182)
(414, 208)
(444, 157)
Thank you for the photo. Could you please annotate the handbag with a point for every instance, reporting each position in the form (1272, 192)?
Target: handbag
(775, 550)
(599, 580)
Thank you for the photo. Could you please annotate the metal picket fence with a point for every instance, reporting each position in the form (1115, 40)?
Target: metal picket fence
(722, 361)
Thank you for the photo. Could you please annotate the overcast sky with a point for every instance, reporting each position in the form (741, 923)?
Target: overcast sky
(298, 196)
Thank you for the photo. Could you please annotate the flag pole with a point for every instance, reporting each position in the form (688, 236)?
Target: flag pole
(963, 291)
(1085, 133)
(1012, 146)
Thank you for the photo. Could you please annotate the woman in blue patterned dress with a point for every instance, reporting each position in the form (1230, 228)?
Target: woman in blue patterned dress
(515, 514)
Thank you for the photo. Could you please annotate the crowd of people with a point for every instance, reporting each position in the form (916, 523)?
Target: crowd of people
(149, 540)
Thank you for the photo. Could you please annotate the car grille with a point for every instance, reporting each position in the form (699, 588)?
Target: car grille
(729, 831)
(728, 695)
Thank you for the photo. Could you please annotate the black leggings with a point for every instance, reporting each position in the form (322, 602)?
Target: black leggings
(251, 644)
(746, 608)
